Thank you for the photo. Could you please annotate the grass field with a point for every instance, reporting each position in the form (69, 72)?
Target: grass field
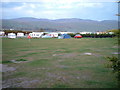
(58, 63)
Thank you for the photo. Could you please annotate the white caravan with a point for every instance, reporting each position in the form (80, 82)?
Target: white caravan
(20, 34)
(53, 34)
(36, 34)
(11, 35)
(2, 33)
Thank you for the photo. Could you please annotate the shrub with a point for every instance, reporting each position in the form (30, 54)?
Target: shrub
(71, 34)
(115, 65)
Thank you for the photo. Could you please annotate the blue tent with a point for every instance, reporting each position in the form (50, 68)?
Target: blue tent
(64, 36)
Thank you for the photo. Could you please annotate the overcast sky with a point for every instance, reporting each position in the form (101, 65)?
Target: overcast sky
(57, 9)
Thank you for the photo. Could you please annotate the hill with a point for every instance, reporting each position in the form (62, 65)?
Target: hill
(70, 24)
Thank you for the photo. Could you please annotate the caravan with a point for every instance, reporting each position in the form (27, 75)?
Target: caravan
(11, 35)
(53, 34)
(36, 34)
(64, 36)
(20, 34)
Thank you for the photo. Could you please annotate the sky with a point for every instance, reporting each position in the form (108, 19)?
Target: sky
(58, 9)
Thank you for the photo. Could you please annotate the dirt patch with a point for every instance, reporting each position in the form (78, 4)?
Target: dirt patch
(40, 69)
(19, 82)
(85, 76)
(60, 50)
(115, 47)
(62, 66)
(18, 61)
(115, 52)
(60, 60)
(57, 54)
(0, 67)
(66, 55)
(5, 68)
(58, 77)
(52, 75)
(88, 53)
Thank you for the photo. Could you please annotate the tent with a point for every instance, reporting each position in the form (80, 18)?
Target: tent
(77, 36)
(64, 36)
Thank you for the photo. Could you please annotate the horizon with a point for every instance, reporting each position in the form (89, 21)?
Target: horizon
(57, 19)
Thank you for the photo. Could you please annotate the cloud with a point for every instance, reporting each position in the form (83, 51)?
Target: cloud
(53, 9)
(59, 4)
(65, 7)
(20, 7)
(48, 6)
(32, 6)
(59, 0)
(11, 4)
(56, 4)
(90, 5)
(30, 12)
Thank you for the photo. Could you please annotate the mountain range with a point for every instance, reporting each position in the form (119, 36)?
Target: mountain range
(66, 24)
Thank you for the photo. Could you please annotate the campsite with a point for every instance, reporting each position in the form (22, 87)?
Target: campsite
(60, 44)
(58, 63)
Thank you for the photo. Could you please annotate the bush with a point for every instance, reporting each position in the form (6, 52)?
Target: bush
(98, 35)
(115, 65)
(71, 34)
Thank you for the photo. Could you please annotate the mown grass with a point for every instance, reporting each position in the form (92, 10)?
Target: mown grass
(61, 63)
(41, 62)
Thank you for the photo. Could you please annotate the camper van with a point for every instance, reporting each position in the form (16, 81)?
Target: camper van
(36, 34)
(2, 33)
(53, 34)
(11, 35)
(20, 34)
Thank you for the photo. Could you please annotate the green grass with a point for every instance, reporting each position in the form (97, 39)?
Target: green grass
(41, 62)
(61, 63)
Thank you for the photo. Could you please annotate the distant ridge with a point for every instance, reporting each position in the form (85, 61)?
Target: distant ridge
(65, 24)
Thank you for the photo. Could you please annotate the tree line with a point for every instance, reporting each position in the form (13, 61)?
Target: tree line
(95, 35)
(16, 31)
(105, 35)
